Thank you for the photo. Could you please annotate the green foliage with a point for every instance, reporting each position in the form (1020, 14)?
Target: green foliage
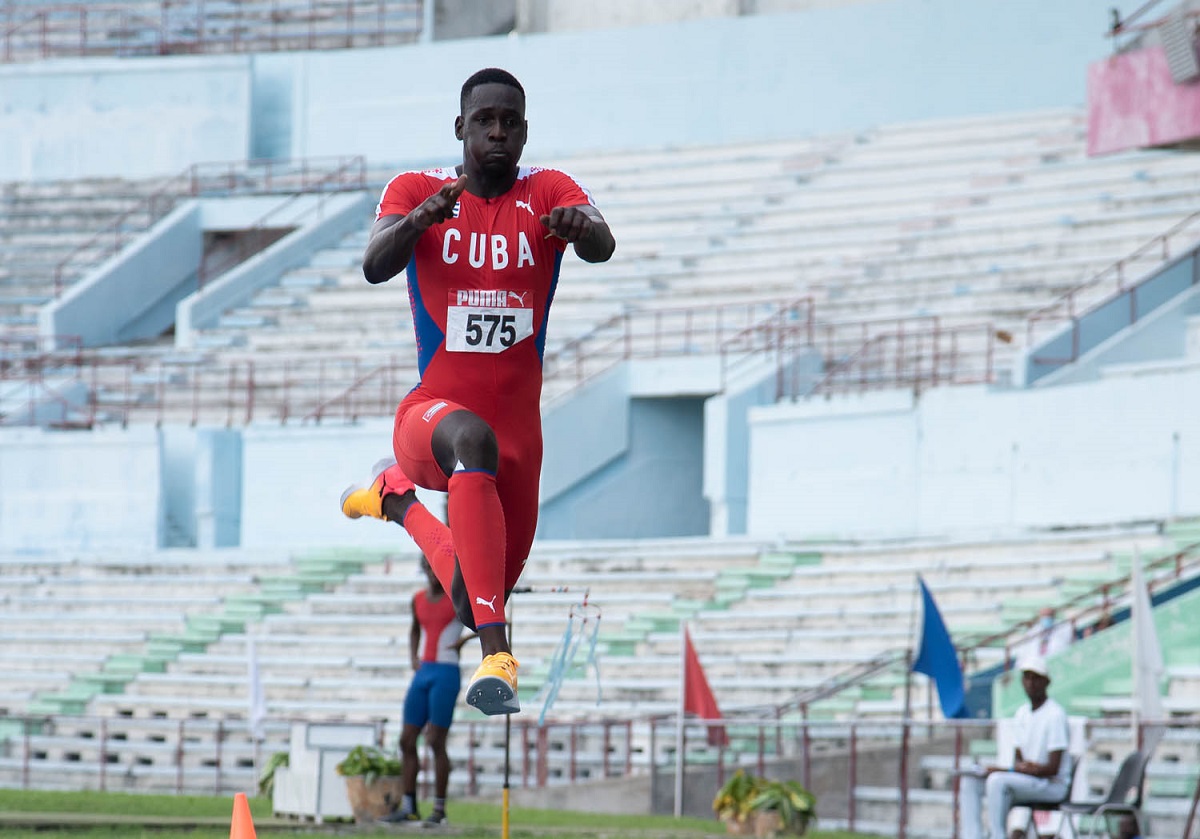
(266, 780)
(370, 762)
(796, 805)
(744, 794)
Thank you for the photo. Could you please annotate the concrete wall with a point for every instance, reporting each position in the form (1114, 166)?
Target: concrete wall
(831, 68)
(128, 118)
(80, 490)
(712, 81)
(972, 462)
(320, 221)
(132, 295)
(1153, 328)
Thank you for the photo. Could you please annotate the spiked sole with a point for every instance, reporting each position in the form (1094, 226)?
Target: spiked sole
(492, 696)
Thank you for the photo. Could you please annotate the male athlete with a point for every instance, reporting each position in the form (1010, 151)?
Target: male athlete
(429, 702)
(482, 243)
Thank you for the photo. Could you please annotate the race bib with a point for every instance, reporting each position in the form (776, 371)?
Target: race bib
(487, 320)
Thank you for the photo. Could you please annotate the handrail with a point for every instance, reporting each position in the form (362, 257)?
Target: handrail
(611, 341)
(190, 182)
(166, 27)
(1115, 272)
(1186, 559)
(921, 357)
(1122, 25)
(245, 246)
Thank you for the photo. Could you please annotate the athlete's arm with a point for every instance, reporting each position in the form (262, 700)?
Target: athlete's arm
(584, 227)
(393, 237)
(414, 640)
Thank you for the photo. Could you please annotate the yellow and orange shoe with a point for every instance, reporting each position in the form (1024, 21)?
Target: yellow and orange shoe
(367, 499)
(493, 688)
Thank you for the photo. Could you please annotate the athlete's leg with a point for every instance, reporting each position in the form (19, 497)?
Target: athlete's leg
(463, 449)
(443, 696)
(517, 484)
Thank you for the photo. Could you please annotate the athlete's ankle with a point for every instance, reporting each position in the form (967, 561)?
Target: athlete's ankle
(493, 639)
(395, 506)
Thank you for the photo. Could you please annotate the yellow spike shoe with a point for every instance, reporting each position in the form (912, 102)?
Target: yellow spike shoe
(493, 688)
(367, 499)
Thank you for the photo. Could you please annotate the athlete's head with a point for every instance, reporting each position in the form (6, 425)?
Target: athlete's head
(491, 122)
(488, 75)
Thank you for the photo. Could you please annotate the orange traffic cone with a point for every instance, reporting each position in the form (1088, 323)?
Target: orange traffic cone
(242, 826)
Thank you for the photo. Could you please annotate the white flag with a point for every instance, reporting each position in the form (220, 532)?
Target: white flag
(258, 703)
(1147, 662)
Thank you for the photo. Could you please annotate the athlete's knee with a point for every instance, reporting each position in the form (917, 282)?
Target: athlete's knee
(462, 437)
(408, 739)
(435, 738)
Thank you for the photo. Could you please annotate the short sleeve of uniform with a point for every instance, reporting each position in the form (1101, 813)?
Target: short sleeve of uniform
(558, 189)
(1058, 735)
(403, 194)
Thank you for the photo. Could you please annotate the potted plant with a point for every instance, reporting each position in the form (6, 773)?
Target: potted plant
(373, 783)
(266, 781)
(752, 806)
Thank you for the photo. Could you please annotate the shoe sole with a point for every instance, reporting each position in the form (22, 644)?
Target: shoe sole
(493, 696)
(378, 469)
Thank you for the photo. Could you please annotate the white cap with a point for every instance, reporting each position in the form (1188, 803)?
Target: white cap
(1034, 664)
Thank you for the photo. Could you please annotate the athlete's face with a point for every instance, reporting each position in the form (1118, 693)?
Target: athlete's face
(492, 127)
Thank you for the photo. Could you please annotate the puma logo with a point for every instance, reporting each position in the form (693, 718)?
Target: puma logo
(491, 604)
(522, 204)
(520, 297)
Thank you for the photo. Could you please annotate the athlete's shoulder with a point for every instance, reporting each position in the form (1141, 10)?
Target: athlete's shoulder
(421, 177)
(407, 189)
(556, 180)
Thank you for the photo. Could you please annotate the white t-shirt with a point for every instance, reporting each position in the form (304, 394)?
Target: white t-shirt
(1037, 733)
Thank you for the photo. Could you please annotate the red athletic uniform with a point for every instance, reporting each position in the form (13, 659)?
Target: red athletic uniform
(480, 285)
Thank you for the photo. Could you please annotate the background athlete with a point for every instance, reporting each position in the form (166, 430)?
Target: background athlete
(482, 243)
(429, 702)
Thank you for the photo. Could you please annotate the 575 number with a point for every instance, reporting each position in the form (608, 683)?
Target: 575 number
(483, 329)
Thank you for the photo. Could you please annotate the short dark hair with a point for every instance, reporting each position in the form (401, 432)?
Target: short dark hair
(488, 75)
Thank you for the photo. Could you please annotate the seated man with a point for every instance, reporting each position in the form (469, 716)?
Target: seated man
(1041, 769)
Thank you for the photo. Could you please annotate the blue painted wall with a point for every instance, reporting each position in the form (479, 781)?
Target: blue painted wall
(694, 83)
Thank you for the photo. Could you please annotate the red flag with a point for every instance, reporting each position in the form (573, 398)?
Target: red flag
(698, 697)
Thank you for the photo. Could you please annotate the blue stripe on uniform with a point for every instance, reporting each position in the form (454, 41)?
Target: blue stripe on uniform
(541, 336)
(429, 337)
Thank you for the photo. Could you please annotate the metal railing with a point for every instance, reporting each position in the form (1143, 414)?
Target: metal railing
(841, 762)
(1109, 284)
(914, 353)
(734, 333)
(1083, 610)
(252, 177)
(187, 27)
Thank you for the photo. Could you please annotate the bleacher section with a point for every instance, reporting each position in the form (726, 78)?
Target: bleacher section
(968, 221)
(154, 648)
(49, 235)
(33, 32)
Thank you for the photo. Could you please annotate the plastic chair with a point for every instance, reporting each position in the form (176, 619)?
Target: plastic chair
(1031, 829)
(1130, 779)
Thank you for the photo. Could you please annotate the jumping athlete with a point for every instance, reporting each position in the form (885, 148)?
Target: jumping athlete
(482, 243)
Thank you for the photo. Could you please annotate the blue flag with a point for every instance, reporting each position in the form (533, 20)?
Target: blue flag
(937, 659)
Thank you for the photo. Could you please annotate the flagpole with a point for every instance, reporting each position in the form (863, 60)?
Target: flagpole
(679, 719)
(910, 653)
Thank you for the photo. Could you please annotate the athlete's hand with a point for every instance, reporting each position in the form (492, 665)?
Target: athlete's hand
(568, 223)
(416, 663)
(440, 206)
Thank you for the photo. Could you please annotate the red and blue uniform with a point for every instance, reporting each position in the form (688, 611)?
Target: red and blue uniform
(435, 685)
(480, 285)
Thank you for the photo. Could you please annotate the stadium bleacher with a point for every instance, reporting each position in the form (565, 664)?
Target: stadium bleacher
(131, 671)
